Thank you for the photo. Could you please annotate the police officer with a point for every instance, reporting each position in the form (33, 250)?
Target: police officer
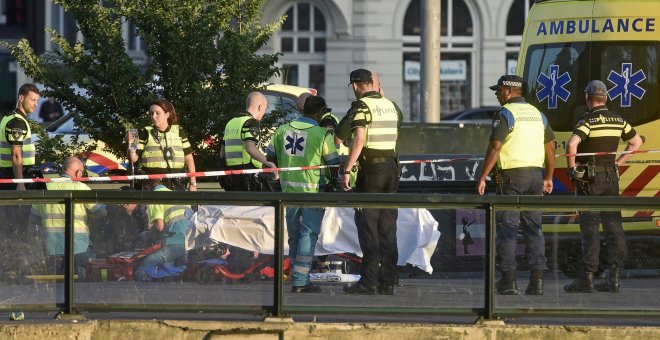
(51, 218)
(17, 155)
(241, 145)
(164, 146)
(241, 150)
(17, 151)
(343, 132)
(374, 127)
(599, 130)
(521, 142)
(303, 143)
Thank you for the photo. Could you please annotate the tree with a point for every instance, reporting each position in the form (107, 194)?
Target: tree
(202, 58)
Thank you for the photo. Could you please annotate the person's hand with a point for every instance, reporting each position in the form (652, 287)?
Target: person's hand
(481, 187)
(276, 175)
(547, 186)
(346, 181)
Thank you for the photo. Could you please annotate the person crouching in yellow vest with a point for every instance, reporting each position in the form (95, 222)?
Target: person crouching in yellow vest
(303, 143)
(170, 222)
(51, 218)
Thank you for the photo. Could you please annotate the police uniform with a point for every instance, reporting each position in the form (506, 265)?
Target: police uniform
(523, 131)
(164, 152)
(18, 236)
(599, 131)
(174, 234)
(302, 143)
(15, 131)
(239, 130)
(379, 172)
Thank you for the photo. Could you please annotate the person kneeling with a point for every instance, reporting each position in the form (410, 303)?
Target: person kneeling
(171, 221)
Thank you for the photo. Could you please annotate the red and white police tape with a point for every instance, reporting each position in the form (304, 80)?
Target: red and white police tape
(266, 170)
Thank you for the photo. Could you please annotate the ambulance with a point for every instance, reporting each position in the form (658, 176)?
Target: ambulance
(566, 44)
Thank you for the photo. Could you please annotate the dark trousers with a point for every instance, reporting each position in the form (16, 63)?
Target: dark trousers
(7, 173)
(247, 182)
(604, 184)
(377, 227)
(520, 181)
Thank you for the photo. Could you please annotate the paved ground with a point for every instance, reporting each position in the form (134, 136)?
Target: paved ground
(464, 291)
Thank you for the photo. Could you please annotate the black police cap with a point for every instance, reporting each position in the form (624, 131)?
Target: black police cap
(510, 80)
(360, 75)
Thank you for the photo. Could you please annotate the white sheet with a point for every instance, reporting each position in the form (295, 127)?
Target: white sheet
(253, 228)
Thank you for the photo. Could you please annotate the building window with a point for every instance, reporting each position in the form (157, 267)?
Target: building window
(63, 23)
(290, 74)
(304, 25)
(317, 77)
(458, 53)
(515, 24)
(303, 45)
(135, 43)
(12, 12)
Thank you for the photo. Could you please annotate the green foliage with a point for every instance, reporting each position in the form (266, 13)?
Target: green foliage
(202, 57)
(57, 149)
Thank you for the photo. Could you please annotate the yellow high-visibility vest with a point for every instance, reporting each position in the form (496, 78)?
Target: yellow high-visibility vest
(5, 148)
(523, 146)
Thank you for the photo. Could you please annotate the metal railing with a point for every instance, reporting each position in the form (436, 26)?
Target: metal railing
(279, 201)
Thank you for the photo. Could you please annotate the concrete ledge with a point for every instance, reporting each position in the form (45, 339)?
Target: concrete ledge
(152, 329)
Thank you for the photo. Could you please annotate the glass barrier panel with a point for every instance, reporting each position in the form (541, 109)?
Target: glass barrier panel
(619, 270)
(437, 267)
(27, 268)
(188, 255)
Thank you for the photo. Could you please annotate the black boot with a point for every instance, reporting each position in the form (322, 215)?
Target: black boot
(507, 284)
(612, 282)
(535, 286)
(583, 283)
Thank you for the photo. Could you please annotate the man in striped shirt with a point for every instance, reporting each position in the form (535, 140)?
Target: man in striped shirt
(599, 130)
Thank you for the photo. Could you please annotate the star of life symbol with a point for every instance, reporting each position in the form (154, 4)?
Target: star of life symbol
(295, 143)
(553, 86)
(626, 84)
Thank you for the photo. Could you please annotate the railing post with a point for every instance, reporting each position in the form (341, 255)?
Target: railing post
(279, 261)
(490, 263)
(69, 311)
(69, 270)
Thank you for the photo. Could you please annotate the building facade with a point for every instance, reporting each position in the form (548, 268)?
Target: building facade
(321, 41)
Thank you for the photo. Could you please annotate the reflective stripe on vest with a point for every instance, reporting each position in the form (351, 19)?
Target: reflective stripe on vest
(523, 146)
(52, 215)
(235, 153)
(381, 132)
(300, 143)
(173, 213)
(28, 149)
(152, 155)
